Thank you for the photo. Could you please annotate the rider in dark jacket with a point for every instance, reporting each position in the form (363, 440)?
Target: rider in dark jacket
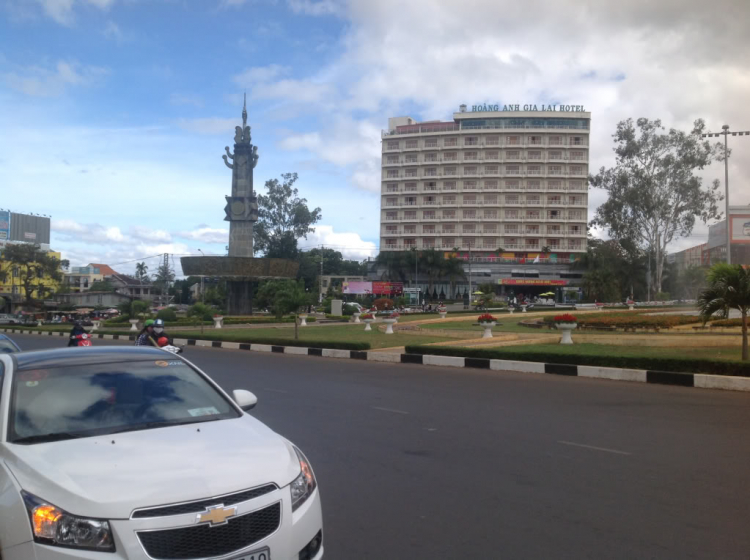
(75, 331)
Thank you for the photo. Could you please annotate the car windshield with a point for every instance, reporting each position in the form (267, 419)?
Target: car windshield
(80, 401)
(6, 346)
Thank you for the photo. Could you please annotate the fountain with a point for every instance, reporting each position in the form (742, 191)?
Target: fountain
(240, 269)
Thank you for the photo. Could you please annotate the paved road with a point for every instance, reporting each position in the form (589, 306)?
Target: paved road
(419, 462)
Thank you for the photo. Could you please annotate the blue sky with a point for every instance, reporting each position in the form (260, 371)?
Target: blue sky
(114, 113)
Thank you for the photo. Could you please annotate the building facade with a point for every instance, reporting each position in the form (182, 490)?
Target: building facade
(508, 184)
(80, 278)
(12, 293)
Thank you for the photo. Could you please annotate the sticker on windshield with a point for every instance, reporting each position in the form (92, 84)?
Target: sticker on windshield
(161, 363)
(205, 411)
(32, 383)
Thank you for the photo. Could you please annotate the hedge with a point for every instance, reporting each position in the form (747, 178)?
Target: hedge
(336, 317)
(727, 323)
(227, 321)
(692, 365)
(632, 320)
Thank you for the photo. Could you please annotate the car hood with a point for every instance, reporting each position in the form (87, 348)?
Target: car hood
(110, 476)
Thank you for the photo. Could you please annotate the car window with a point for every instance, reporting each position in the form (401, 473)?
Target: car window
(6, 346)
(80, 401)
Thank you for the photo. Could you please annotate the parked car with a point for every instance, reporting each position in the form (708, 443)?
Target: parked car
(7, 345)
(133, 453)
(6, 319)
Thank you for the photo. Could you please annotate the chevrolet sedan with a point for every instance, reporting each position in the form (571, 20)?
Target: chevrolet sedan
(133, 453)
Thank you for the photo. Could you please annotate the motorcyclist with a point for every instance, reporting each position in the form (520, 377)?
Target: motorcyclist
(160, 333)
(146, 336)
(74, 332)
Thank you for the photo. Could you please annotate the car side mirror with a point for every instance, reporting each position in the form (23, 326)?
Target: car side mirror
(244, 399)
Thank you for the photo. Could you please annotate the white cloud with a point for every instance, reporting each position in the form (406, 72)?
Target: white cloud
(49, 82)
(186, 99)
(113, 31)
(320, 8)
(251, 76)
(62, 10)
(206, 235)
(212, 125)
(67, 226)
(149, 235)
(350, 244)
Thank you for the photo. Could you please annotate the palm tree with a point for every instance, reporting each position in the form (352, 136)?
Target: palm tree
(141, 271)
(728, 288)
(396, 267)
(433, 262)
(454, 269)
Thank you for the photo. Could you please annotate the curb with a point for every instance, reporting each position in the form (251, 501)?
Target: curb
(698, 380)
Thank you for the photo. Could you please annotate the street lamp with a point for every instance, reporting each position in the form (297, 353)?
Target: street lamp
(203, 297)
(725, 134)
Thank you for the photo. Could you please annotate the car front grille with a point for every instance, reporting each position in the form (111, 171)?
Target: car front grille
(202, 541)
(199, 506)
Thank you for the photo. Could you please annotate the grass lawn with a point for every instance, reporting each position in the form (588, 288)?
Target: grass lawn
(349, 333)
(506, 324)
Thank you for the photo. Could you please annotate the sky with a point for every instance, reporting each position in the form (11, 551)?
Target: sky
(114, 114)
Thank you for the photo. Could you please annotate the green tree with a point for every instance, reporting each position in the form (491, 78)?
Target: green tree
(141, 272)
(133, 309)
(101, 286)
(33, 264)
(283, 218)
(433, 264)
(454, 271)
(396, 265)
(333, 264)
(201, 311)
(290, 299)
(163, 278)
(653, 194)
(728, 288)
(691, 281)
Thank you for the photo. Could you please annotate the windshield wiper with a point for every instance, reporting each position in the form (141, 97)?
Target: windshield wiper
(163, 424)
(44, 438)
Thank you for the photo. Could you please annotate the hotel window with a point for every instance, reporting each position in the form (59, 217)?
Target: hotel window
(490, 214)
(391, 202)
(555, 200)
(430, 157)
(410, 201)
(512, 185)
(491, 155)
(469, 228)
(511, 243)
(575, 215)
(532, 229)
(489, 243)
(392, 230)
(449, 214)
(554, 215)
(554, 169)
(429, 201)
(576, 170)
(534, 169)
(554, 230)
(511, 229)
(410, 229)
(428, 243)
(512, 169)
(532, 214)
(512, 141)
(577, 141)
(513, 154)
(471, 141)
(489, 228)
(392, 159)
(576, 186)
(578, 156)
(470, 199)
(575, 200)
(553, 243)
(449, 185)
(393, 144)
(430, 186)
(430, 172)
(534, 185)
(535, 155)
(449, 229)
(391, 216)
(428, 214)
(470, 185)
(411, 144)
(469, 242)
(449, 200)
(470, 156)
(410, 158)
(555, 186)
(450, 170)
(410, 215)
(535, 140)
(391, 187)
(470, 170)
(575, 230)
(491, 169)
(448, 142)
(535, 199)
(490, 185)
(490, 199)
(410, 187)
(555, 141)
(450, 156)
(448, 243)
(470, 214)
(410, 173)
(410, 243)
(512, 199)
(555, 155)
(493, 140)
(391, 173)
(430, 143)
(532, 243)
(511, 214)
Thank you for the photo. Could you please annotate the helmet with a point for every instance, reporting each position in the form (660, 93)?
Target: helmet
(149, 323)
(78, 324)
(163, 341)
(159, 323)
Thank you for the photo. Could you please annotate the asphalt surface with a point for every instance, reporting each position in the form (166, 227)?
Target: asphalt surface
(419, 462)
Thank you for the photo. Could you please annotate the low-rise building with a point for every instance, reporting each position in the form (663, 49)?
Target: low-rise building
(80, 278)
(12, 293)
(132, 287)
(93, 299)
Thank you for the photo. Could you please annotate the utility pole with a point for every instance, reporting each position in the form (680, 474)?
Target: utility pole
(725, 134)
(165, 287)
(471, 292)
(203, 297)
(320, 282)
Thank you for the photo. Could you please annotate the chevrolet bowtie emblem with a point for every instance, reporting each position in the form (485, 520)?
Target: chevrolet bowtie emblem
(216, 515)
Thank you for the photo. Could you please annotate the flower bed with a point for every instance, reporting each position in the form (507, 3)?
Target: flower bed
(630, 320)
(728, 323)
(486, 318)
(564, 318)
(367, 316)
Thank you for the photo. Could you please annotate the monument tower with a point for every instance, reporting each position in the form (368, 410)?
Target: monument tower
(240, 269)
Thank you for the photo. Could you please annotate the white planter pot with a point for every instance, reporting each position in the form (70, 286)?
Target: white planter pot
(566, 329)
(631, 307)
(134, 325)
(97, 325)
(389, 325)
(302, 320)
(356, 317)
(443, 314)
(367, 324)
(523, 309)
(511, 310)
(218, 322)
(487, 329)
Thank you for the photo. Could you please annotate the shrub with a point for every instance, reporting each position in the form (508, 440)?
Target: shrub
(200, 311)
(685, 365)
(639, 319)
(383, 304)
(167, 314)
(335, 317)
(348, 310)
(727, 323)
(661, 296)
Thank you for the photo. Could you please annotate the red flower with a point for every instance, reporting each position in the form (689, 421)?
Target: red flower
(486, 318)
(367, 316)
(565, 318)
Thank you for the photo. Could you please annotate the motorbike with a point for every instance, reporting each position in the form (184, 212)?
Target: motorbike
(163, 343)
(81, 340)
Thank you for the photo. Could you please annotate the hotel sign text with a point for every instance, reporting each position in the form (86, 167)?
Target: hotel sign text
(550, 108)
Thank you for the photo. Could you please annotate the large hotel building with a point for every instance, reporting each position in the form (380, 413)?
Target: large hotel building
(505, 185)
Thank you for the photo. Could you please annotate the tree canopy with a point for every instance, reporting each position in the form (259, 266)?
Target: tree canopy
(728, 288)
(33, 265)
(283, 218)
(653, 193)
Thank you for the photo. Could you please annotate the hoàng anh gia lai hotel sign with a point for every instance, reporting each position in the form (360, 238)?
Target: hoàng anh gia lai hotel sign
(484, 108)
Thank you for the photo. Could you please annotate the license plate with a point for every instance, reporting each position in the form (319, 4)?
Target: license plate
(261, 554)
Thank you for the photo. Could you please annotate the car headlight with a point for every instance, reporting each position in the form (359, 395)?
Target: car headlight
(304, 485)
(53, 526)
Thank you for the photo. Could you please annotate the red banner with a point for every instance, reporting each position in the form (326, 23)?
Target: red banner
(531, 282)
(388, 288)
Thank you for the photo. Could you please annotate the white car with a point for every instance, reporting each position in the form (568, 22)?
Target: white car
(132, 453)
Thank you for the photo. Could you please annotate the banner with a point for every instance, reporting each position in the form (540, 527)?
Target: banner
(740, 228)
(4, 224)
(388, 288)
(357, 287)
(531, 282)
